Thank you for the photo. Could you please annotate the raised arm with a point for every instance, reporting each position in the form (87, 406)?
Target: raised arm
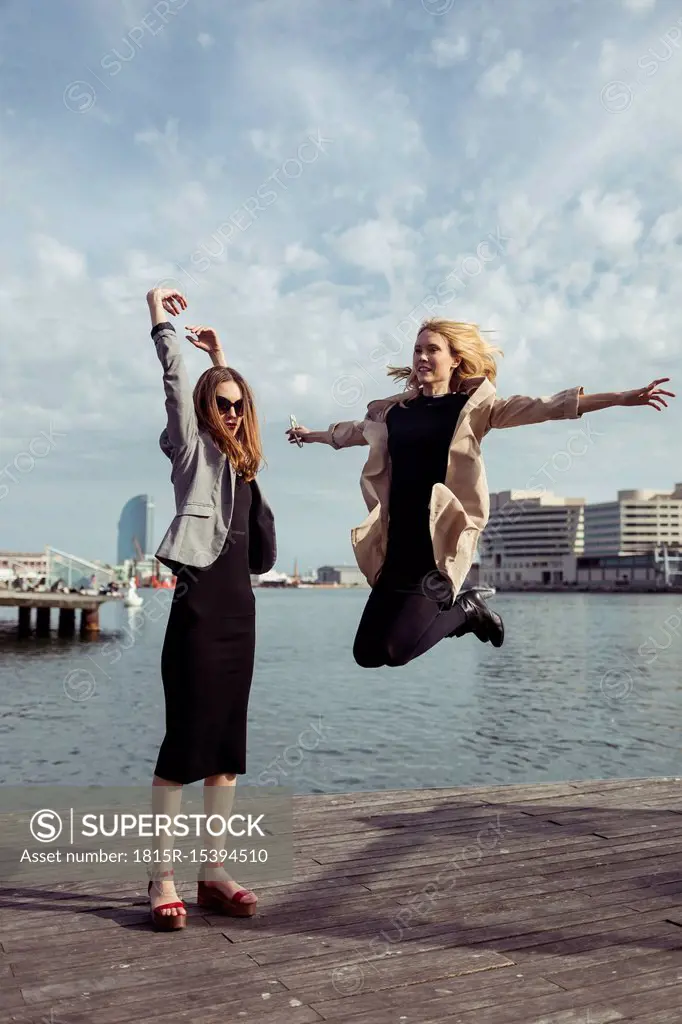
(181, 427)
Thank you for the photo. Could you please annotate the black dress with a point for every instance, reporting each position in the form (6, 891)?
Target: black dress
(410, 607)
(207, 660)
(419, 438)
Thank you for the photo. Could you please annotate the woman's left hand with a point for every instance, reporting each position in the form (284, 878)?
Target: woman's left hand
(650, 395)
(206, 338)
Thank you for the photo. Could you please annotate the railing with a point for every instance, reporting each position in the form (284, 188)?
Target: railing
(74, 571)
(672, 565)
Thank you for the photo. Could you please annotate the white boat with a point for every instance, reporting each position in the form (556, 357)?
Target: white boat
(132, 598)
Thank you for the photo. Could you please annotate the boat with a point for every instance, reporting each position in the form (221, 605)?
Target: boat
(165, 584)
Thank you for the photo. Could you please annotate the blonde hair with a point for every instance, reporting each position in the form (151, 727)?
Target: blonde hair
(477, 357)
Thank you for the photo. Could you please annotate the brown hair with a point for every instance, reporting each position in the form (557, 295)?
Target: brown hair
(477, 357)
(243, 448)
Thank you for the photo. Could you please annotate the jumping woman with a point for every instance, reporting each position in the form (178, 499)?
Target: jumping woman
(223, 531)
(425, 488)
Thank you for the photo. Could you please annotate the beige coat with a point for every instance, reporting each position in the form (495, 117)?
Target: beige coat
(460, 506)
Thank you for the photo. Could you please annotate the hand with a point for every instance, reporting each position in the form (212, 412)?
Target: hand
(299, 432)
(171, 299)
(206, 338)
(650, 395)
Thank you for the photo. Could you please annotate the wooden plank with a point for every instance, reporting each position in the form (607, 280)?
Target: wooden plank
(589, 1014)
(646, 992)
(242, 972)
(43, 970)
(430, 998)
(10, 996)
(319, 983)
(585, 977)
(180, 1001)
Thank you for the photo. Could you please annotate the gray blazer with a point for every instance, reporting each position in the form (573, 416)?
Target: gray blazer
(203, 490)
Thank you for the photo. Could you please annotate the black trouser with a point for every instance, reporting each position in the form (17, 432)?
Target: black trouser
(398, 625)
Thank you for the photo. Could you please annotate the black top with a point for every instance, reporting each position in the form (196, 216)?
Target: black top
(234, 558)
(419, 438)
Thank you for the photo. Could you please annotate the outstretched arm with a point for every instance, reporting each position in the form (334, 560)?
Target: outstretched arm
(520, 410)
(650, 395)
(339, 435)
(181, 428)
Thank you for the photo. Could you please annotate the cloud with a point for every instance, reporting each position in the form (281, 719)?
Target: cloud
(446, 52)
(205, 40)
(613, 220)
(297, 257)
(638, 6)
(58, 261)
(667, 230)
(495, 81)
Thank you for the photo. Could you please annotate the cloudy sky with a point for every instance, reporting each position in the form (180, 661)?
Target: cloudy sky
(312, 174)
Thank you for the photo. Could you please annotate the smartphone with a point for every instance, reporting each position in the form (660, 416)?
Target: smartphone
(293, 424)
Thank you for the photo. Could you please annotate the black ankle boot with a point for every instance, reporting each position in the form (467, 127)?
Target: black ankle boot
(480, 620)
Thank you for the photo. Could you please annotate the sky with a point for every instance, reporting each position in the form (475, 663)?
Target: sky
(319, 178)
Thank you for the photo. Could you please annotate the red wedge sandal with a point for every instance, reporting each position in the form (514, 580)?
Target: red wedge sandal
(166, 922)
(211, 898)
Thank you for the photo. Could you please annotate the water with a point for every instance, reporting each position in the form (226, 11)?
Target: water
(568, 696)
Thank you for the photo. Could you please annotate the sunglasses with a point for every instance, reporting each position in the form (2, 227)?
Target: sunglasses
(225, 405)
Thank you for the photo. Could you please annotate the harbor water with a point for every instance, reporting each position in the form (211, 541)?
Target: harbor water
(585, 686)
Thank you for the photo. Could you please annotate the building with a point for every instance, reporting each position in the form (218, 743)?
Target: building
(26, 564)
(52, 565)
(136, 530)
(342, 575)
(625, 570)
(531, 538)
(637, 522)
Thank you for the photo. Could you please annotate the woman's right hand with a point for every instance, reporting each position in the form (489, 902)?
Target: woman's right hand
(302, 433)
(172, 300)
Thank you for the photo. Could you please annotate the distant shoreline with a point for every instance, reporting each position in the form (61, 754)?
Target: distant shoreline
(529, 588)
(582, 588)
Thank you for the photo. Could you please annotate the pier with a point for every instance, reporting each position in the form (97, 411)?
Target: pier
(44, 603)
(528, 904)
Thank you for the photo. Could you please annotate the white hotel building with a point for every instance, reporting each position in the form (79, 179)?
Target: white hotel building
(544, 539)
(636, 523)
(531, 538)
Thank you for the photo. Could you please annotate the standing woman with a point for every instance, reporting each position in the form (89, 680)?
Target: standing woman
(223, 531)
(425, 486)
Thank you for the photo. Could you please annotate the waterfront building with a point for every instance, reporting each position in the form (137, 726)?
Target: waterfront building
(611, 571)
(30, 565)
(531, 538)
(637, 522)
(343, 575)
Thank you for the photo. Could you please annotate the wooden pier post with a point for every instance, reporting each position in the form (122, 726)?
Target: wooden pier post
(67, 622)
(66, 603)
(43, 621)
(25, 620)
(89, 621)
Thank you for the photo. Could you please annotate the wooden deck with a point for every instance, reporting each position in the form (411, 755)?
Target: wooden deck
(550, 904)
